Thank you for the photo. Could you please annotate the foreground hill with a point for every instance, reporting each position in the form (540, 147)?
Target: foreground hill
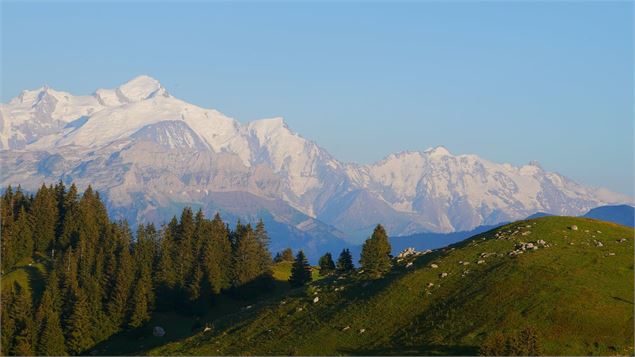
(575, 289)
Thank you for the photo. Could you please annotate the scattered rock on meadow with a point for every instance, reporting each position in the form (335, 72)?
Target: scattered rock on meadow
(574, 227)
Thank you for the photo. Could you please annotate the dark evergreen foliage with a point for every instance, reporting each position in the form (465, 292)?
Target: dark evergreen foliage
(287, 255)
(101, 280)
(327, 266)
(300, 271)
(375, 257)
(345, 262)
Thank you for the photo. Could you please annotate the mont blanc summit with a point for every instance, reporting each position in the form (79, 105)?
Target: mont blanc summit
(150, 154)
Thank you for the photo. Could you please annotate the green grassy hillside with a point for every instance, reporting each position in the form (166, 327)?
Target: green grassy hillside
(179, 326)
(576, 290)
(282, 271)
(29, 274)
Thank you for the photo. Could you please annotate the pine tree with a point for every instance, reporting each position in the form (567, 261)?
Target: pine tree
(141, 300)
(375, 257)
(345, 262)
(71, 221)
(50, 334)
(118, 305)
(300, 271)
(212, 257)
(8, 324)
(219, 259)
(22, 235)
(193, 286)
(24, 333)
(287, 255)
(185, 241)
(265, 256)
(327, 266)
(166, 275)
(78, 327)
(246, 258)
(51, 338)
(6, 224)
(44, 212)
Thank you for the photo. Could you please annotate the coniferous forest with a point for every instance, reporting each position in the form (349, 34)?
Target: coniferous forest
(102, 278)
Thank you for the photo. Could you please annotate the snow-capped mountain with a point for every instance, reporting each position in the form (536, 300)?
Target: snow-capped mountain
(151, 153)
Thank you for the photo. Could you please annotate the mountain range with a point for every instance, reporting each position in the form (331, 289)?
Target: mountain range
(150, 154)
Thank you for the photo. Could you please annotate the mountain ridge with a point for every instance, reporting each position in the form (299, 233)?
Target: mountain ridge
(138, 142)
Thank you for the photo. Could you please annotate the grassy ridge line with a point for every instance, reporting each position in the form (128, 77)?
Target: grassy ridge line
(577, 295)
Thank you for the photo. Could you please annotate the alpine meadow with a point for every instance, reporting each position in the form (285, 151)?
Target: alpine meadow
(449, 178)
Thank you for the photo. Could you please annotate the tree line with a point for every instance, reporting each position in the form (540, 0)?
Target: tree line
(99, 278)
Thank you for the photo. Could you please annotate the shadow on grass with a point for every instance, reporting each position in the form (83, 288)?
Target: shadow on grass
(179, 326)
(36, 282)
(427, 350)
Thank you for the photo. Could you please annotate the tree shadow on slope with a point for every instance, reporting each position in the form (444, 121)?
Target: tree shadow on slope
(424, 350)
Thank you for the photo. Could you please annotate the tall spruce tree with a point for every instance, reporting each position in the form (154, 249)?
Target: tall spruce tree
(345, 262)
(262, 236)
(300, 271)
(118, 305)
(327, 266)
(44, 212)
(22, 235)
(8, 324)
(78, 327)
(24, 329)
(7, 247)
(141, 306)
(246, 257)
(71, 220)
(50, 340)
(375, 257)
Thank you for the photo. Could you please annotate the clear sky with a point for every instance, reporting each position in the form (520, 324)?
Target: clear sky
(509, 81)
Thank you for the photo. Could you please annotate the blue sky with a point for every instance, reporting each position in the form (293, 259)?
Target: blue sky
(509, 81)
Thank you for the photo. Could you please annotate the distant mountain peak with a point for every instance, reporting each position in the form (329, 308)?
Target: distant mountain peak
(138, 141)
(438, 151)
(268, 124)
(535, 163)
(141, 88)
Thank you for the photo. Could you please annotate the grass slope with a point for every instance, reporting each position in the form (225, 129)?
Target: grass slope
(179, 326)
(30, 274)
(576, 293)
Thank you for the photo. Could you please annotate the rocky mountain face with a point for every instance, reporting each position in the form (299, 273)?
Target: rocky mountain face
(150, 154)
